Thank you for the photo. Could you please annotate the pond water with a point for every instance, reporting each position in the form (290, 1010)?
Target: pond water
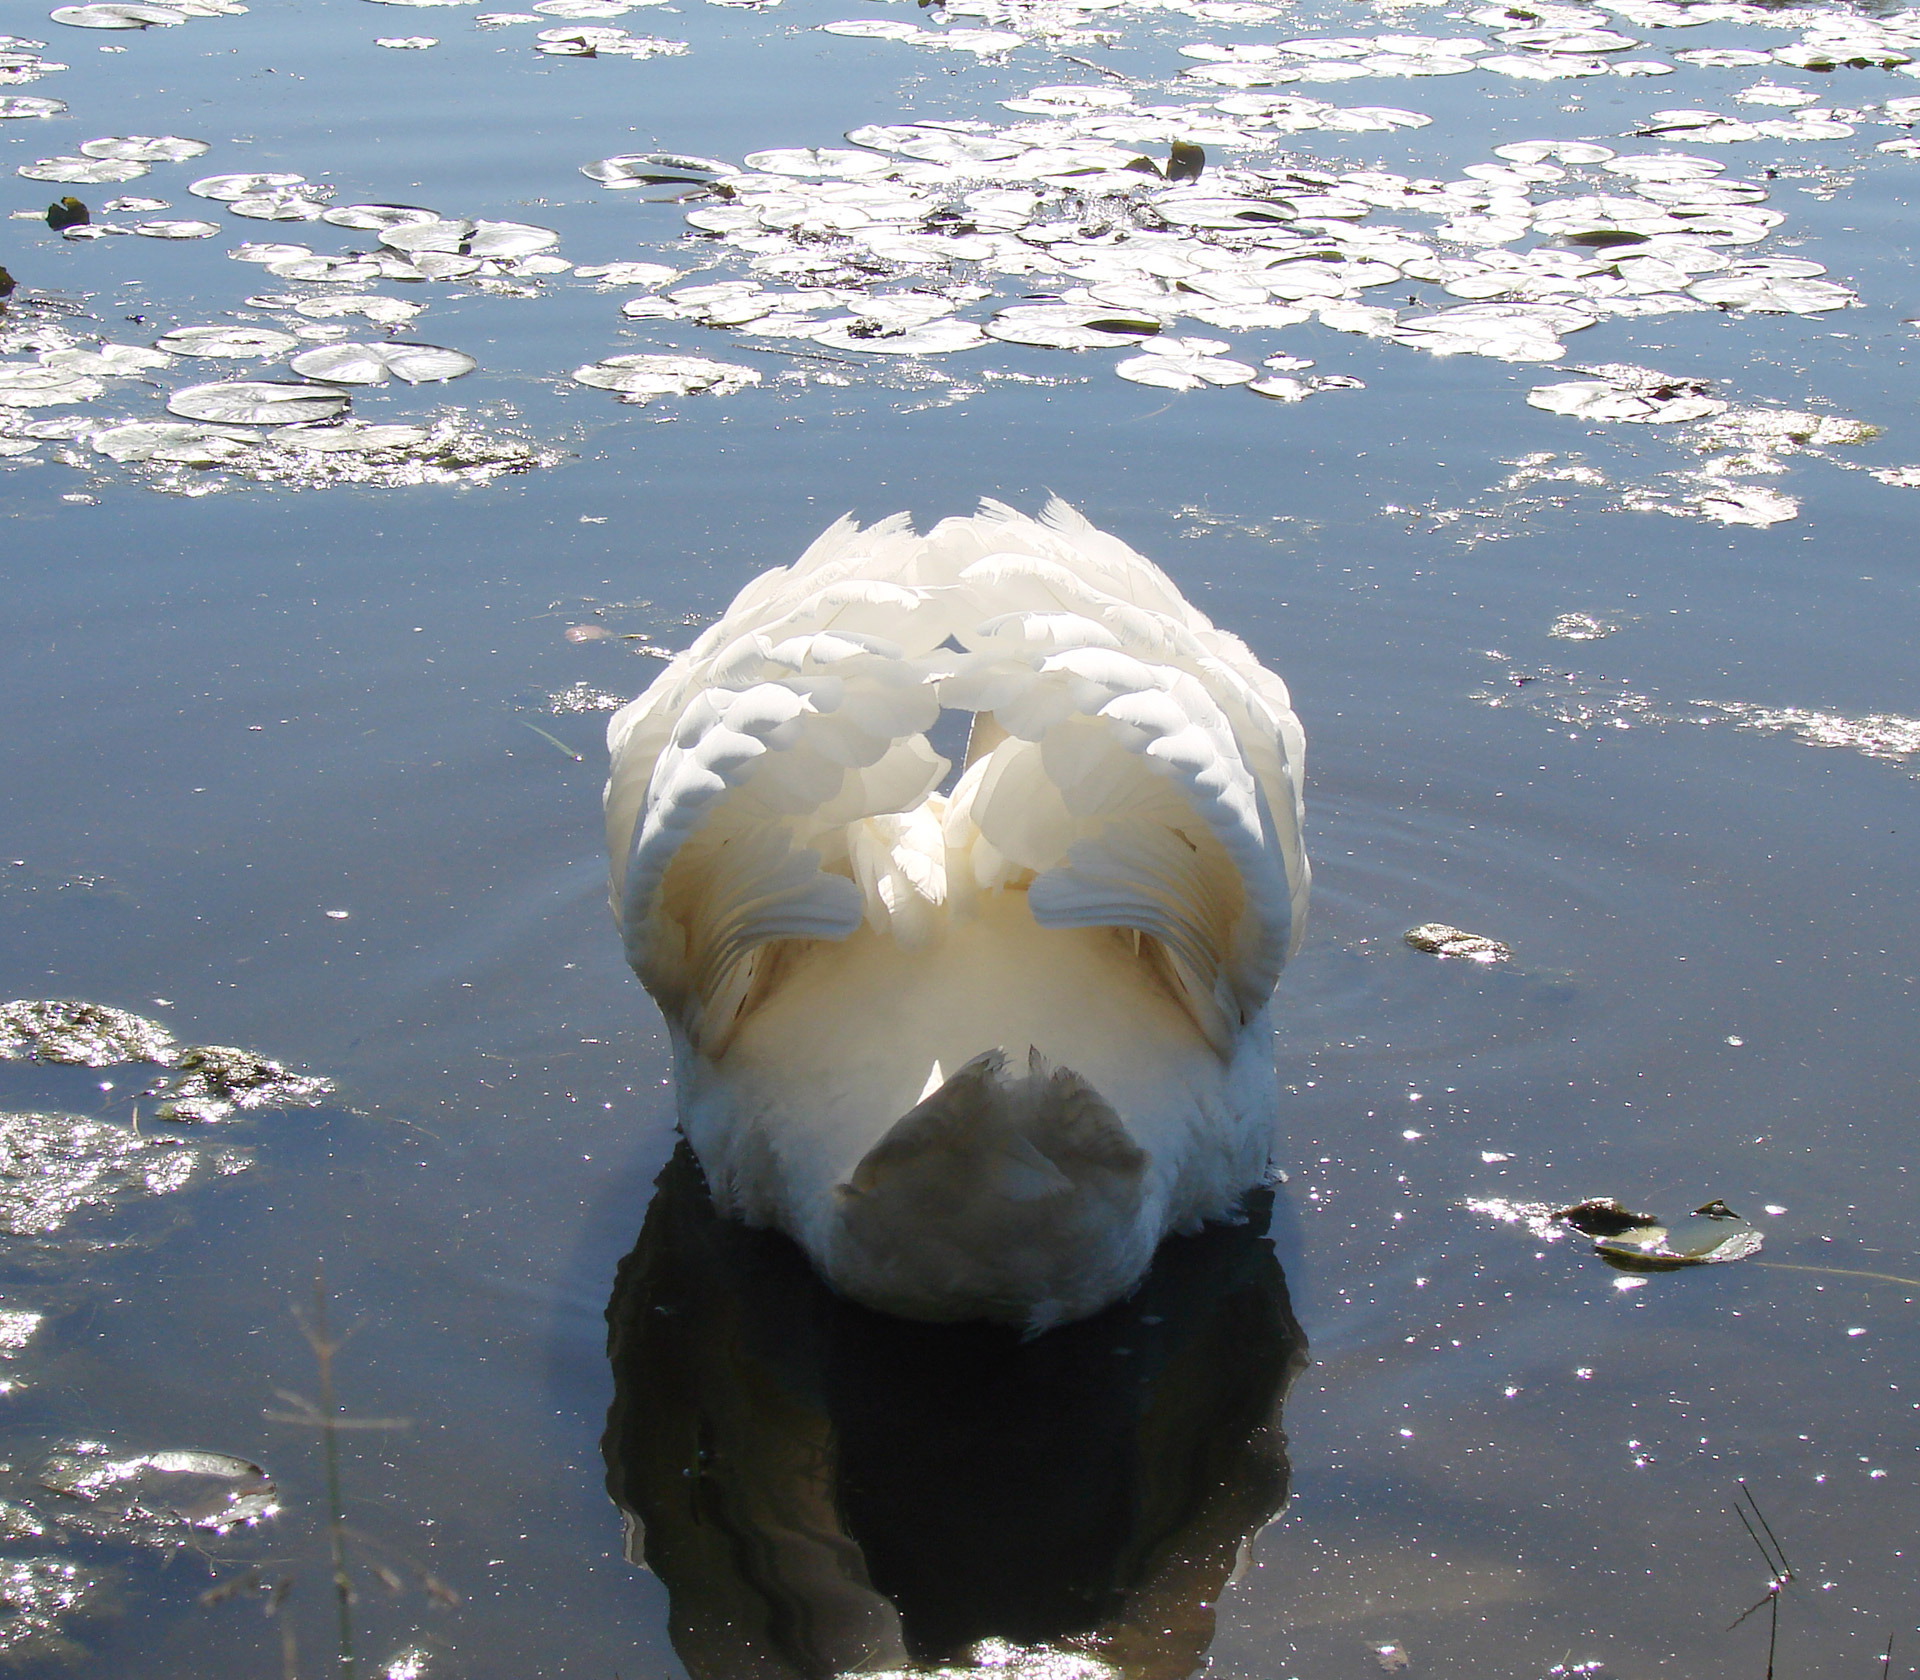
(1596, 601)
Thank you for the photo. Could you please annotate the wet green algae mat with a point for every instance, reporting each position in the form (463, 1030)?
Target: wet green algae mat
(1530, 387)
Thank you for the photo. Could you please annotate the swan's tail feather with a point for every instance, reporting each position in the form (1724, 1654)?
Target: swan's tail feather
(1005, 1196)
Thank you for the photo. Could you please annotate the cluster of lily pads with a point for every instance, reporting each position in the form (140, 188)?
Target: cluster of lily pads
(21, 63)
(1593, 706)
(1068, 200)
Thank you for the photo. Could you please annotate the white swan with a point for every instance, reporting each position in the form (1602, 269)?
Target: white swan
(976, 1052)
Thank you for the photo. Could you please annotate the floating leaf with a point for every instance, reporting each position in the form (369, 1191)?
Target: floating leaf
(383, 311)
(83, 170)
(1185, 364)
(144, 148)
(406, 42)
(1772, 295)
(469, 239)
(374, 364)
(374, 217)
(117, 14)
(647, 169)
(351, 437)
(293, 205)
(1634, 395)
(109, 361)
(237, 342)
(629, 273)
(230, 187)
(258, 402)
(171, 442)
(1741, 504)
(21, 105)
(638, 378)
(1061, 326)
(931, 338)
(177, 230)
(1714, 1235)
(34, 385)
(1603, 1216)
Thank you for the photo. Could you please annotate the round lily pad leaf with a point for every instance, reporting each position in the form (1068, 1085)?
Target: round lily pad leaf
(1769, 295)
(376, 218)
(628, 273)
(352, 437)
(35, 385)
(406, 43)
(144, 148)
(85, 171)
(930, 338)
(459, 237)
(109, 361)
(258, 402)
(646, 169)
(824, 162)
(291, 206)
(229, 187)
(1185, 364)
(640, 377)
(171, 441)
(236, 342)
(1647, 401)
(117, 14)
(264, 253)
(177, 230)
(374, 364)
(21, 105)
(1064, 326)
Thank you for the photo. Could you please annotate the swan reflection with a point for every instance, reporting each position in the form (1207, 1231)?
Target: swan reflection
(825, 1490)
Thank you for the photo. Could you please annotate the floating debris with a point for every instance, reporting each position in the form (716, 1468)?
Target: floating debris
(52, 1166)
(155, 1500)
(1635, 1242)
(1440, 940)
(1580, 627)
(77, 1034)
(211, 1081)
(1602, 1216)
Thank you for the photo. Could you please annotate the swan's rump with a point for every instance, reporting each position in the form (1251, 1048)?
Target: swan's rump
(1113, 884)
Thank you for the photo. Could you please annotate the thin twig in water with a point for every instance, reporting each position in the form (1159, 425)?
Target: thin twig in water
(1839, 1271)
(555, 739)
(1779, 1570)
(1101, 69)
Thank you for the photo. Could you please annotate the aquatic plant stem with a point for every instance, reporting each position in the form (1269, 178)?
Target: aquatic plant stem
(324, 1349)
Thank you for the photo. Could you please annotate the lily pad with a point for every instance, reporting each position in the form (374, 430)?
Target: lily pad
(238, 342)
(374, 364)
(172, 442)
(1061, 326)
(258, 402)
(1185, 364)
(929, 338)
(109, 361)
(144, 148)
(479, 239)
(640, 378)
(351, 437)
(375, 217)
(176, 230)
(227, 188)
(1636, 395)
(1772, 295)
(22, 105)
(117, 14)
(84, 171)
(34, 385)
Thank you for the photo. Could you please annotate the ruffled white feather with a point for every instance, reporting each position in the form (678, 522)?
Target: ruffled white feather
(851, 960)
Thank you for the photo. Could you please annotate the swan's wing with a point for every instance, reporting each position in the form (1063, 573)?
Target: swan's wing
(731, 820)
(1145, 772)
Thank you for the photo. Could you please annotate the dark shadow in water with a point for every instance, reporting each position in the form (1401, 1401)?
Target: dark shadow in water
(824, 1489)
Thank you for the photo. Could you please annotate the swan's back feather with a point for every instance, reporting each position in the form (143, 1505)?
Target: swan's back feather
(1147, 774)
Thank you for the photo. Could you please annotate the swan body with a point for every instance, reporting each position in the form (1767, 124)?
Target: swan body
(976, 1051)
